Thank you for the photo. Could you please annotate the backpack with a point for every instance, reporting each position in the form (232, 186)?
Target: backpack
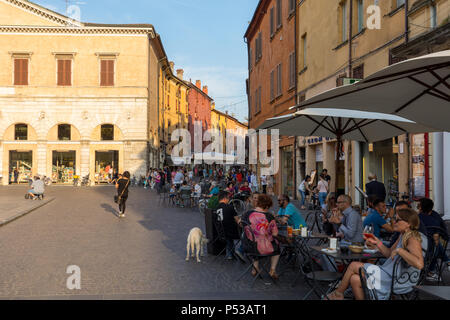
(260, 231)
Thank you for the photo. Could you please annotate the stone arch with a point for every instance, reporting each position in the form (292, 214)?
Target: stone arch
(8, 133)
(52, 133)
(96, 133)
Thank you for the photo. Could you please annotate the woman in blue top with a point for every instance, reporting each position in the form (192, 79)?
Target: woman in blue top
(411, 247)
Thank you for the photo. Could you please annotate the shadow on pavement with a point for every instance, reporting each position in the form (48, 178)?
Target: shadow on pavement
(110, 209)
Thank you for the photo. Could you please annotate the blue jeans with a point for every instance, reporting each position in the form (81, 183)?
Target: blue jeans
(302, 203)
(322, 198)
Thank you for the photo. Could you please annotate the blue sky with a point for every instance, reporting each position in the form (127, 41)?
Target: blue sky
(203, 37)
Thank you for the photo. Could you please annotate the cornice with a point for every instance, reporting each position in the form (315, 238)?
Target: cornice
(75, 30)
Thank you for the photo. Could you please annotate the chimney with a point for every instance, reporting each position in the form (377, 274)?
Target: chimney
(180, 73)
(198, 84)
(172, 65)
(205, 89)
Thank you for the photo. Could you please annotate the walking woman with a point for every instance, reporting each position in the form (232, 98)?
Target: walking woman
(122, 192)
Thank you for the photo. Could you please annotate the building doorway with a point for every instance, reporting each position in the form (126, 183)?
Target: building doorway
(106, 163)
(22, 162)
(63, 166)
(287, 171)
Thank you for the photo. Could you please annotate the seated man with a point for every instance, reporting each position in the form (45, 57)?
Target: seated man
(289, 214)
(37, 188)
(431, 220)
(376, 220)
(214, 191)
(245, 188)
(351, 228)
(229, 218)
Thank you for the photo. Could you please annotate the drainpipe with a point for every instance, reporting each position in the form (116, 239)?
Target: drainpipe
(350, 31)
(406, 21)
(296, 96)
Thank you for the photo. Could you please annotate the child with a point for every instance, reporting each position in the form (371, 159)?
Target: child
(172, 194)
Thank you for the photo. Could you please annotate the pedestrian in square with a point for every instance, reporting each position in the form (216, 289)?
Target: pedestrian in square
(122, 192)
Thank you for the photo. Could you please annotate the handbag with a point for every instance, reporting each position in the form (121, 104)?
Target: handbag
(117, 198)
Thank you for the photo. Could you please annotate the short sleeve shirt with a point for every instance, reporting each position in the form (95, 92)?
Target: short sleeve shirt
(295, 219)
(226, 214)
(376, 220)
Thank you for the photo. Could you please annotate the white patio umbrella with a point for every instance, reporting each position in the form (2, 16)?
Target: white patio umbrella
(417, 89)
(343, 125)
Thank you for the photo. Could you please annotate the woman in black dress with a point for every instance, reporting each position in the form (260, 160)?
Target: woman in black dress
(122, 191)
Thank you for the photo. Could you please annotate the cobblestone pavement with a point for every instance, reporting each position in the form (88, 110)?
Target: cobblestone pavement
(139, 257)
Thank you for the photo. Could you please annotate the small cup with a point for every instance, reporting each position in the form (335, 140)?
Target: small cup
(333, 243)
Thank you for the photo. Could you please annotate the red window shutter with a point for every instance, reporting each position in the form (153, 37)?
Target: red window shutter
(68, 73)
(20, 72)
(103, 67)
(110, 78)
(60, 72)
(25, 72)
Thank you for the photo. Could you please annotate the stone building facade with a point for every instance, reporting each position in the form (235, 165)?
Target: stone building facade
(75, 98)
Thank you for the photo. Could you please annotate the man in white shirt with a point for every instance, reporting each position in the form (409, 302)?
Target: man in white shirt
(254, 183)
(264, 183)
(37, 188)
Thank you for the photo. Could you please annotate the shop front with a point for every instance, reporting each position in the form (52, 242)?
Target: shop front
(381, 159)
(20, 165)
(106, 163)
(63, 166)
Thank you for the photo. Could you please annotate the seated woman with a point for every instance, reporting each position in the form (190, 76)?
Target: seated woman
(260, 225)
(410, 246)
(230, 189)
(327, 212)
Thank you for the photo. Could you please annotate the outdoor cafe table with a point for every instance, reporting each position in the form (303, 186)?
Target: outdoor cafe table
(349, 257)
(439, 292)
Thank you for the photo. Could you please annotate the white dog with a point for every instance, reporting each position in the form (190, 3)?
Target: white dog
(196, 241)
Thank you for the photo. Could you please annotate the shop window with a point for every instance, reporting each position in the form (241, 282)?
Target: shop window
(21, 132)
(64, 131)
(107, 132)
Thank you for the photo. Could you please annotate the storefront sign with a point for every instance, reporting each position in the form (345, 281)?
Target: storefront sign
(418, 164)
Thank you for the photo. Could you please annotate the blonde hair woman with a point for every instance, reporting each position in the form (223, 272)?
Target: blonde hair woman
(410, 246)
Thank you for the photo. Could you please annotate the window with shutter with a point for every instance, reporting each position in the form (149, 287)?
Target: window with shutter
(107, 72)
(272, 22)
(292, 70)
(20, 72)
(292, 6)
(272, 85)
(279, 80)
(358, 72)
(256, 101)
(279, 14)
(250, 61)
(260, 46)
(259, 98)
(64, 72)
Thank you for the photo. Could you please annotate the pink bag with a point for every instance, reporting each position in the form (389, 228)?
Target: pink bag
(262, 232)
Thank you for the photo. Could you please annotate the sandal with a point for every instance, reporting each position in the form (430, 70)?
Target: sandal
(335, 295)
(255, 272)
(273, 274)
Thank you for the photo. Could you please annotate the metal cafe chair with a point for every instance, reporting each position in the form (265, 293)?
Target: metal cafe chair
(252, 255)
(434, 254)
(314, 278)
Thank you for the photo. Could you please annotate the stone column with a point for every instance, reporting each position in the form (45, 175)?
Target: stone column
(85, 160)
(41, 157)
(4, 179)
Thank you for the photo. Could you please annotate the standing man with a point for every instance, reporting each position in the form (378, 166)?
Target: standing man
(16, 176)
(264, 183)
(227, 215)
(326, 176)
(254, 182)
(375, 188)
